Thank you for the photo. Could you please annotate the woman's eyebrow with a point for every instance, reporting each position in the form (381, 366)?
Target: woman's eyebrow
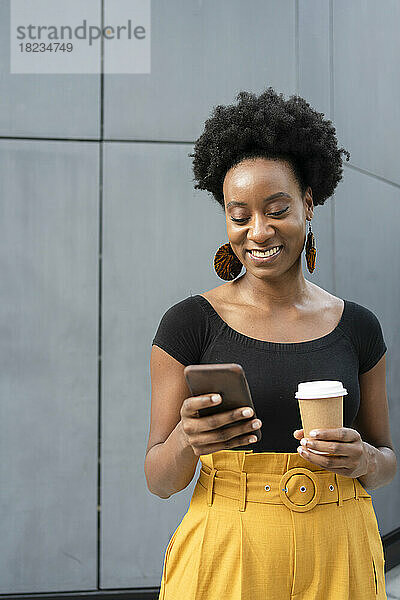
(272, 197)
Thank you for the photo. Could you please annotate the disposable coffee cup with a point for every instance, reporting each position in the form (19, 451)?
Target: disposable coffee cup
(321, 406)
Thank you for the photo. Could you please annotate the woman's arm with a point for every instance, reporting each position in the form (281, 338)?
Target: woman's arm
(170, 465)
(372, 423)
(170, 462)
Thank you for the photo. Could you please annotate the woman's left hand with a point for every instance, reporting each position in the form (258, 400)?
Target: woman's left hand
(349, 455)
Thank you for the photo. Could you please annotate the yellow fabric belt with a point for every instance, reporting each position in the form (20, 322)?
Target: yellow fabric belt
(300, 489)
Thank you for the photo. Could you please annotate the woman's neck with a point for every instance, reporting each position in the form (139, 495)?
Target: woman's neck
(271, 294)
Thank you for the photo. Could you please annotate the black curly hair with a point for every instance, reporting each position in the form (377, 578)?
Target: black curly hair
(269, 126)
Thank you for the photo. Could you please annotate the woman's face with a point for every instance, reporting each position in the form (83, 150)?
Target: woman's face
(254, 190)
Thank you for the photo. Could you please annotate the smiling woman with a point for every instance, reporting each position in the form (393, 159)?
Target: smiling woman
(257, 505)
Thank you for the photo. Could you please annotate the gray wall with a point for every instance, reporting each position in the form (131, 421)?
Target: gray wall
(91, 237)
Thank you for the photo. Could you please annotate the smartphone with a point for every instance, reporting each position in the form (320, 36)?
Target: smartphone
(228, 380)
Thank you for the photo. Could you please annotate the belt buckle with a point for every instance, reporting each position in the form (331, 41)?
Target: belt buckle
(283, 489)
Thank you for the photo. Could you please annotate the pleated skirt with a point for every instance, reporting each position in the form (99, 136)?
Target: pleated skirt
(274, 526)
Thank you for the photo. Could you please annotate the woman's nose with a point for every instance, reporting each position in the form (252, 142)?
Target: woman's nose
(261, 229)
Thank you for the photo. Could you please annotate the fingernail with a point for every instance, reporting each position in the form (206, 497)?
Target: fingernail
(215, 398)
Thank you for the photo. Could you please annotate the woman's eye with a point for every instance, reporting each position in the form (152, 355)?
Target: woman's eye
(274, 214)
(238, 220)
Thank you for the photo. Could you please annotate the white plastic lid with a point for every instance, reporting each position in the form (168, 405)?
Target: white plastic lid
(320, 389)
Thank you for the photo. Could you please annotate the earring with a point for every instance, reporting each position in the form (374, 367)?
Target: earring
(311, 250)
(226, 263)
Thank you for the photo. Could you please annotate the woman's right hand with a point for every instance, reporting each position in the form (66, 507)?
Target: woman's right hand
(204, 434)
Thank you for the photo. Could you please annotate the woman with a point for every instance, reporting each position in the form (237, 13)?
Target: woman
(268, 161)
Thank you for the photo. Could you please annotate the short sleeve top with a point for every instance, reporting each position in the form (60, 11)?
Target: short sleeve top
(192, 332)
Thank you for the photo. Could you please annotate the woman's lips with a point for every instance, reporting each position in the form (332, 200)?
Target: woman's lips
(264, 260)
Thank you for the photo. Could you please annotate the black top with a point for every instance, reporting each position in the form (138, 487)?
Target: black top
(194, 333)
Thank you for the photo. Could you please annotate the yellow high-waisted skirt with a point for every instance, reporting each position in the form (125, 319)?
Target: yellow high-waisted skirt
(274, 526)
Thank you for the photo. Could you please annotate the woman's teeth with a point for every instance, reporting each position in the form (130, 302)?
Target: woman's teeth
(265, 254)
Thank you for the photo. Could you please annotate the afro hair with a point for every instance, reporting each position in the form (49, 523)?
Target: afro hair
(269, 126)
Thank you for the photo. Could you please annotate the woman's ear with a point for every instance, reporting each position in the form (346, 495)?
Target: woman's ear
(309, 203)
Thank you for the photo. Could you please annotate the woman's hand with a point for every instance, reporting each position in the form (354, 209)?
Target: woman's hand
(206, 434)
(349, 454)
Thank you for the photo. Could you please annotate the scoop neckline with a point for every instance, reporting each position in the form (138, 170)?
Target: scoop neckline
(314, 344)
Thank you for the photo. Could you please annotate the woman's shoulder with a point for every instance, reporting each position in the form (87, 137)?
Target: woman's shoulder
(362, 326)
(221, 301)
(220, 293)
(356, 315)
(361, 316)
(183, 311)
(182, 330)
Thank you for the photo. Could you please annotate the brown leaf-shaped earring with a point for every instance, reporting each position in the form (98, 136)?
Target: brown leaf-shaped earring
(226, 263)
(311, 250)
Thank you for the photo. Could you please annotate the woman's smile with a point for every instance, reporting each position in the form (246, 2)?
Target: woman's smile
(262, 260)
